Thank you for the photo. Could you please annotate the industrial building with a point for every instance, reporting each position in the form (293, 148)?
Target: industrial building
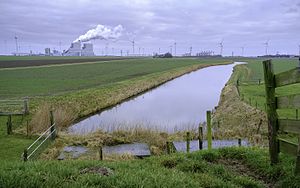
(87, 50)
(76, 50)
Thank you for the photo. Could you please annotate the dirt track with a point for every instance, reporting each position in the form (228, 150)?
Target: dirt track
(29, 63)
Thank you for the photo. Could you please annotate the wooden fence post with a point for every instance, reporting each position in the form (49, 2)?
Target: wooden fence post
(101, 153)
(240, 142)
(168, 147)
(25, 155)
(188, 142)
(53, 129)
(209, 131)
(297, 170)
(9, 125)
(200, 137)
(26, 107)
(271, 110)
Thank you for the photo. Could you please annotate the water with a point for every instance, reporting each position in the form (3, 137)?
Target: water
(180, 104)
(194, 144)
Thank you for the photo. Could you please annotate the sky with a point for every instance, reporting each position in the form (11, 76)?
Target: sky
(154, 25)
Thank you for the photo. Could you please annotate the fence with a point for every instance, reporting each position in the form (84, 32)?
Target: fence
(50, 133)
(276, 124)
(13, 107)
(170, 145)
(256, 101)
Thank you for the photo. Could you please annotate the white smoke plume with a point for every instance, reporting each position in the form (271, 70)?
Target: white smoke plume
(102, 32)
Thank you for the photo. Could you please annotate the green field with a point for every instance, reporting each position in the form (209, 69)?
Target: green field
(54, 80)
(88, 88)
(82, 89)
(254, 94)
(229, 167)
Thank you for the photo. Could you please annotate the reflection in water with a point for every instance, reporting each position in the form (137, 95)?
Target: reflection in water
(180, 104)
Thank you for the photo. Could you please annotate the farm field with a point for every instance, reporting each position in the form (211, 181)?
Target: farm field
(30, 61)
(79, 90)
(105, 84)
(44, 81)
(252, 91)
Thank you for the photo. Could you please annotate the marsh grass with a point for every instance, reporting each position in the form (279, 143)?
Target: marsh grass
(63, 117)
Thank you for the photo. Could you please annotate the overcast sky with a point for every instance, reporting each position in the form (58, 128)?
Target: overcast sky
(156, 24)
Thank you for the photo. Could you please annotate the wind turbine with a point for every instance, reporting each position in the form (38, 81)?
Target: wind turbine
(106, 48)
(299, 56)
(17, 47)
(132, 47)
(243, 49)
(221, 47)
(175, 48)
(266, 46)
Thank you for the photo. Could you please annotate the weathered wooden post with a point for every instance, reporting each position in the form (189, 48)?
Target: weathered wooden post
(297, 170)
(209, 131)
(27, 128)
(265, 106)
(53, 126)
(200, 137)
(188, 142)
(240, 142)
(26, 107)
(271, 110)
(9, 124)
(168, 147)
(101, 153)
(25, 155)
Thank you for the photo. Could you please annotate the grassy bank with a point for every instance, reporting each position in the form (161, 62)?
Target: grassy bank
(75, 91)
(241, 109)
(255, 93)
(230, 167)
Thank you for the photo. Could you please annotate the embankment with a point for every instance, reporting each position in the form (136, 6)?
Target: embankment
(235, 118)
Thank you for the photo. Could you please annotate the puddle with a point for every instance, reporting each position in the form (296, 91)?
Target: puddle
(194, 144)
(136, 149)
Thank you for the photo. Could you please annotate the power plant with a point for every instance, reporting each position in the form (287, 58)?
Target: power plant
(76, 49)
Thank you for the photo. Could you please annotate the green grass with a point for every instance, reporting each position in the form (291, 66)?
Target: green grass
(85, 88)
(12, 146)
(58, 79)
(251, 91)
(198, 169)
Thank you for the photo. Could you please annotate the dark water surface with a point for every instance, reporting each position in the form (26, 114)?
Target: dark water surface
(180, 104)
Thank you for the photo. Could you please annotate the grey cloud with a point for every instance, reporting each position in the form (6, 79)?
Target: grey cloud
(157, 23)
